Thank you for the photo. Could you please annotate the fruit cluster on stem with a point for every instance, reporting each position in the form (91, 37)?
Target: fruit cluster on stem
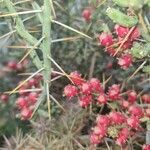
(118, 123)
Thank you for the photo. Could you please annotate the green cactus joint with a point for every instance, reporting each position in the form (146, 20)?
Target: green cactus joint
(120, 18)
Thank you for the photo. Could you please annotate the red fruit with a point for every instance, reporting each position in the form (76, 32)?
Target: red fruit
(38, 77)
(76, 78)
(146, 147)
(105, 39)
(133, 122)
(22, 91)
(147, 111)
(86, 88)
(109, 65)
(126, 45)
(12, 65)
(110, 50)
(125, 104)
(146, 98)
(4, 98)
(21, 102)
(125, 61)
(122, 136)
(85, 100)
(26, 113)
(95, 85)
(102, 99)
(20, 67)
(86, 14)
(132, 96)
(70, 91)
(32, 97)
(121, 31)
(114, 92)
(94, 139)
(103, 120)
(135, 34)
(100, 130)
(136, 111)
(32, 82)
(117, 118)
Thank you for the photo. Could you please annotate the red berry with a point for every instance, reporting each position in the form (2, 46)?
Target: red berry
(110, 50)
(21, 102)
(32, 82)
(146, 98)
(100, 130)
(114, 92)
(121, 31)
(147, 112)
(105, 39)
(32, 97)
(38, 77)
(125, 61)
(70, 91)
(126, 45)
(85, 100)
(94, 139)
(96, 85)
(12, 65)
(132, 96)
(122, 136)
(135, 34)
(133, 122)
(86, 88)
(136, 111)
(109, 65)
(86, 14)
(102, 99)
(26, 113)
(22, 91)
(125, 104)
(117, 118)
(146, 147)
(103, 120)
(20, 67)
(76, 78)
(4, 98)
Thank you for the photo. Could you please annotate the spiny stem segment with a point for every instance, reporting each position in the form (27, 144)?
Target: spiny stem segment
(24, 33)
(46, 47)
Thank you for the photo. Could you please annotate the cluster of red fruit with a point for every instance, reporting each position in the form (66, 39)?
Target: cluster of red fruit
(90, 90)
(114, 125)
(124, 124)
(26, 100)
(12, 65)
(118, 125)
(120, 46)
(85, 90)
(18, 67)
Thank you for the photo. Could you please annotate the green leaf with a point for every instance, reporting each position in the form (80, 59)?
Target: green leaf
(135, 4)
(122, 3)
(140, 51)
(146, 69)
(120, 18)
